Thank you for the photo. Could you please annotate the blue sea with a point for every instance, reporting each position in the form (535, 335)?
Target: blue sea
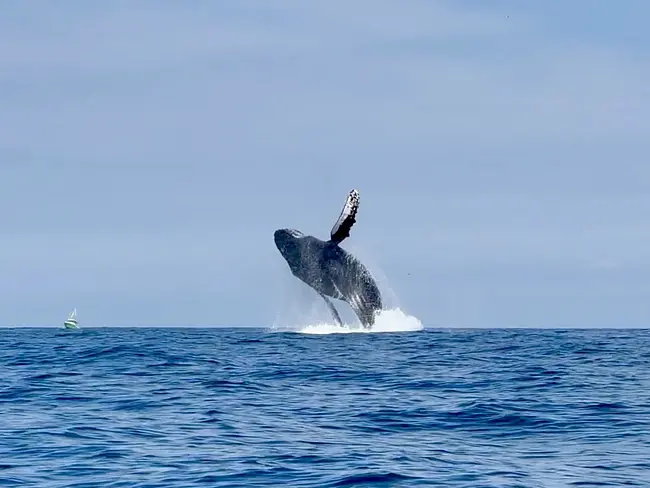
(220, 407)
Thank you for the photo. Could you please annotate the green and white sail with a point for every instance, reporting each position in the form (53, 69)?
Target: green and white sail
(71, 323)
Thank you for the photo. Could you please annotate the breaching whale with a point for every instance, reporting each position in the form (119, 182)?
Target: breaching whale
(331, 270)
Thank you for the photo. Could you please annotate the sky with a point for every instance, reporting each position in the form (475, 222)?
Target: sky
(149, 149)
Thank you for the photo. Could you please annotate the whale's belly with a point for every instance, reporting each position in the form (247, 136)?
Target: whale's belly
(320, 279)
(333, 272)
(350, 278)
(315, 269)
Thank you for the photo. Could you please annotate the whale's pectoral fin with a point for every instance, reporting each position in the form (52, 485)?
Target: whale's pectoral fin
(335, 314)
(348, 217)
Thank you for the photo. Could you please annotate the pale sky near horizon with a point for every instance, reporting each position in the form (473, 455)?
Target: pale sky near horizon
(149, 149)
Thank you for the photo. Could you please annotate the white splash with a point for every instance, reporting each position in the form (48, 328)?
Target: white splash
(392, 320)
(301, 307)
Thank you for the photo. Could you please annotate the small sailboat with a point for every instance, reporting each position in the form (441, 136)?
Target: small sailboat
(71, 323)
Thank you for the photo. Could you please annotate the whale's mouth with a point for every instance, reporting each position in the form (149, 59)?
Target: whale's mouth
(284, 234)
(286, 240)
(294, 233)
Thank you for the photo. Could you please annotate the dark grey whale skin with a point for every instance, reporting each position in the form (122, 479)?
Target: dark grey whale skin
(332, 272)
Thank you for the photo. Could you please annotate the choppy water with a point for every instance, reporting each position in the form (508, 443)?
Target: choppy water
(250, 407)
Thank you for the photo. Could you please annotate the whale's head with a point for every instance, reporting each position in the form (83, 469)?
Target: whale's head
(287, 242)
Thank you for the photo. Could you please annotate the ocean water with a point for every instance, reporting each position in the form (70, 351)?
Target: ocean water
(225, 407)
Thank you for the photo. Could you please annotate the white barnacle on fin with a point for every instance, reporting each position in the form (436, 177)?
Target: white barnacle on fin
(346, 220)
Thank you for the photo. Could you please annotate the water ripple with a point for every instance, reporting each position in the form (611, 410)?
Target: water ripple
(228, 407)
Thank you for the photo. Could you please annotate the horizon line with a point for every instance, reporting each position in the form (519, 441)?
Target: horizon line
(435, 327)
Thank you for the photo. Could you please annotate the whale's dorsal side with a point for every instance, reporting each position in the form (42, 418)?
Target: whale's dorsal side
(347, 218)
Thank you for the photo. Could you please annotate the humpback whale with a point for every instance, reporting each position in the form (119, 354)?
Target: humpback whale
(329, 269)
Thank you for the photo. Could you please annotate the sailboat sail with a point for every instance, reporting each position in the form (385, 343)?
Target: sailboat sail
(71, 323)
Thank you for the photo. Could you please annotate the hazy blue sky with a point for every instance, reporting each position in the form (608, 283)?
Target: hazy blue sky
(149, 149)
